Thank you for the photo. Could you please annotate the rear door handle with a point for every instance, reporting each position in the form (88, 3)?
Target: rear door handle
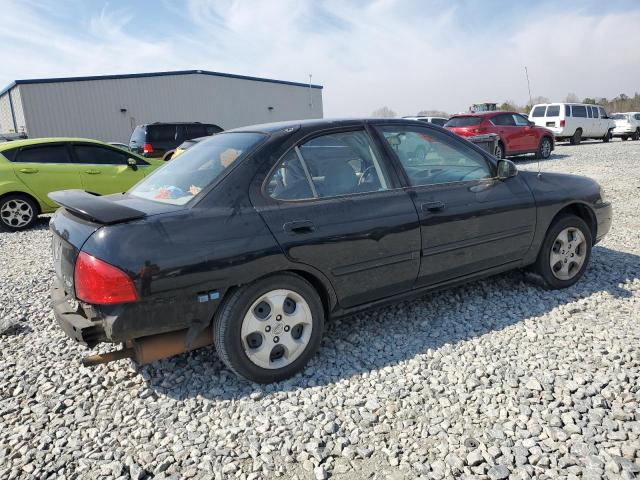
(432, 206)
(92, 172)
(299, 227)
(29, 170)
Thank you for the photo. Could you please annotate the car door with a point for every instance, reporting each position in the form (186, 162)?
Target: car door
(104, 170)
(333, 203)
(46, 168)
(470, 221)
(528, 138)
(510, 134)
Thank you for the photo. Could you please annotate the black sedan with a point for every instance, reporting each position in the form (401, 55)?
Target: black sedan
(260, 235)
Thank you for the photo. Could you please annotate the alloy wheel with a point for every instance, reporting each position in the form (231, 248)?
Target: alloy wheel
(498, 153)
(276, 329)
(546, 148)
(16, 213)
(568, 253)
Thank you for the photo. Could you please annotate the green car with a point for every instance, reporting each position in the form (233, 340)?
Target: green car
(30, 169)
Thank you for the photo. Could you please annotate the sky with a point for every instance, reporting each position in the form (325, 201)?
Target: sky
(409, 55)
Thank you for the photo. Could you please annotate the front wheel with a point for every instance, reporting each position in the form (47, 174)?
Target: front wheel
(268, 330)
(17, 212)
(636, 135)
(565, 252)
(607, 137)
(544, 149)
(499, 152)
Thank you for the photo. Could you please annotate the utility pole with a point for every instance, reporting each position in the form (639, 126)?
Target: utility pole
(526, 72)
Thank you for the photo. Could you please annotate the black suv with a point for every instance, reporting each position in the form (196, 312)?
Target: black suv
(155, 139)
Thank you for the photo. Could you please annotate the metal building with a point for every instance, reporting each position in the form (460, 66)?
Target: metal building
(109, 107)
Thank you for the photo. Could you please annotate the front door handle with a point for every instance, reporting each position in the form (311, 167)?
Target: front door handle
(92, 172)
(29, 170)
(432, 206)
(299, 227)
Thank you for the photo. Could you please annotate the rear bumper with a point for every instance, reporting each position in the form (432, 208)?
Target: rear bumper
(604, 217)
(71, 319)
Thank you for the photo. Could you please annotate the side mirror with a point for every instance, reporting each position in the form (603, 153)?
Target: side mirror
(506, 169)
(133, 165)
(531, 124)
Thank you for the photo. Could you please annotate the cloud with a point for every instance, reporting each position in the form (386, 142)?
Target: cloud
(409, 55)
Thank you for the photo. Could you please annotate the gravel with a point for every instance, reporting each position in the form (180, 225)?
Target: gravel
(495, 379)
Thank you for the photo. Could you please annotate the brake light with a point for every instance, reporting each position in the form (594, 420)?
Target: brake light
(147, 148)
(562, 123)
(99, 283)
(479, 130)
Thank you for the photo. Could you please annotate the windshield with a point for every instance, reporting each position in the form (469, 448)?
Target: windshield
(184, 178)
(463, 121)
(619, 116)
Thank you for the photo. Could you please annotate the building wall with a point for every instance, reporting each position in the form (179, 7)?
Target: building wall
(91, 108)
(18, 109)
(6, 120)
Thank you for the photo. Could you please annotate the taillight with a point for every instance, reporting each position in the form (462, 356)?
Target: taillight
(99, 283)
(147, 148)
(479, 130)
(561, 123)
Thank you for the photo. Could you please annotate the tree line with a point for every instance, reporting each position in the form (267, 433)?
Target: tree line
(621, 103)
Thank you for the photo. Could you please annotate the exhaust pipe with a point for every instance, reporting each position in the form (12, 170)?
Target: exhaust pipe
(155, 347)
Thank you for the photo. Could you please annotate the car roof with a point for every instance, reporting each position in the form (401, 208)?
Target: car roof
(276, 127)
(42, 141)
(482, 114)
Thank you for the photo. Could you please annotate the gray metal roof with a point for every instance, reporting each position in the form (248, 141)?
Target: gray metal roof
(153, 74)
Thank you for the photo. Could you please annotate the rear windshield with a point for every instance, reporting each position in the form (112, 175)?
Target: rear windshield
(463, 121)
(181, 180)
(138, 135)
(553, 110)
(538, 111)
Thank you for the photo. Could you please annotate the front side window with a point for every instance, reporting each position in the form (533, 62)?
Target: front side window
(579, 111)
(553, 111)
(430, 157)
(603, 113)
(520, 121)
(539, 111)
(92, 154)
(328, 166)
(178, 182)
(637, 116)
(595, 112)
(44, 154)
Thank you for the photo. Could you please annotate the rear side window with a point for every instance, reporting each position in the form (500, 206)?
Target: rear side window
(161, 133)
(504, 120)
(93, 154)
(579, 111)
(463, 121)
(538, 111)
(44, 154)
(10, 154)
(553, 111)
(567, 110)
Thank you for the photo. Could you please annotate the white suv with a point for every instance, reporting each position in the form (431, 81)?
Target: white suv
(573, 121)
(440, 121)
(627, 125)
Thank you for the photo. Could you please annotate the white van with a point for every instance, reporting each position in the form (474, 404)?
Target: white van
(627, 125)
(573, 121)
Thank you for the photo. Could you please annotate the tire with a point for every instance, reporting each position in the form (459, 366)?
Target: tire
(554, 277)
(499, 152)
(17, 212)
(576, 138)
(544, 149)
(624, 139)
(608, 137)
(636, 135)
(168, 155)
(238, 317)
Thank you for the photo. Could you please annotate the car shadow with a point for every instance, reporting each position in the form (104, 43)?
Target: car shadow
(386, 336)
(529, 159)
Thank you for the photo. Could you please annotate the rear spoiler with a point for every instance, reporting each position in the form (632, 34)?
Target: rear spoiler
(94, 208)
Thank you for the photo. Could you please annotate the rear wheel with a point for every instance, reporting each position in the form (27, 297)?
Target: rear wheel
(168, 155)
(576, 138)
(636, 135)
(544, 149)
(499, 152)
(17, 212)
(624, 139)
(565, 252)
(268, 330)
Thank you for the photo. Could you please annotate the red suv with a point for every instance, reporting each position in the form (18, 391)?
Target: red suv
(517, 134)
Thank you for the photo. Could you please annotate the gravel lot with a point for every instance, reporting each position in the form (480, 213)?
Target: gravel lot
(497, 379)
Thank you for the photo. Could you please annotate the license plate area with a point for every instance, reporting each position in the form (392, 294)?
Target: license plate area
(551, 124)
